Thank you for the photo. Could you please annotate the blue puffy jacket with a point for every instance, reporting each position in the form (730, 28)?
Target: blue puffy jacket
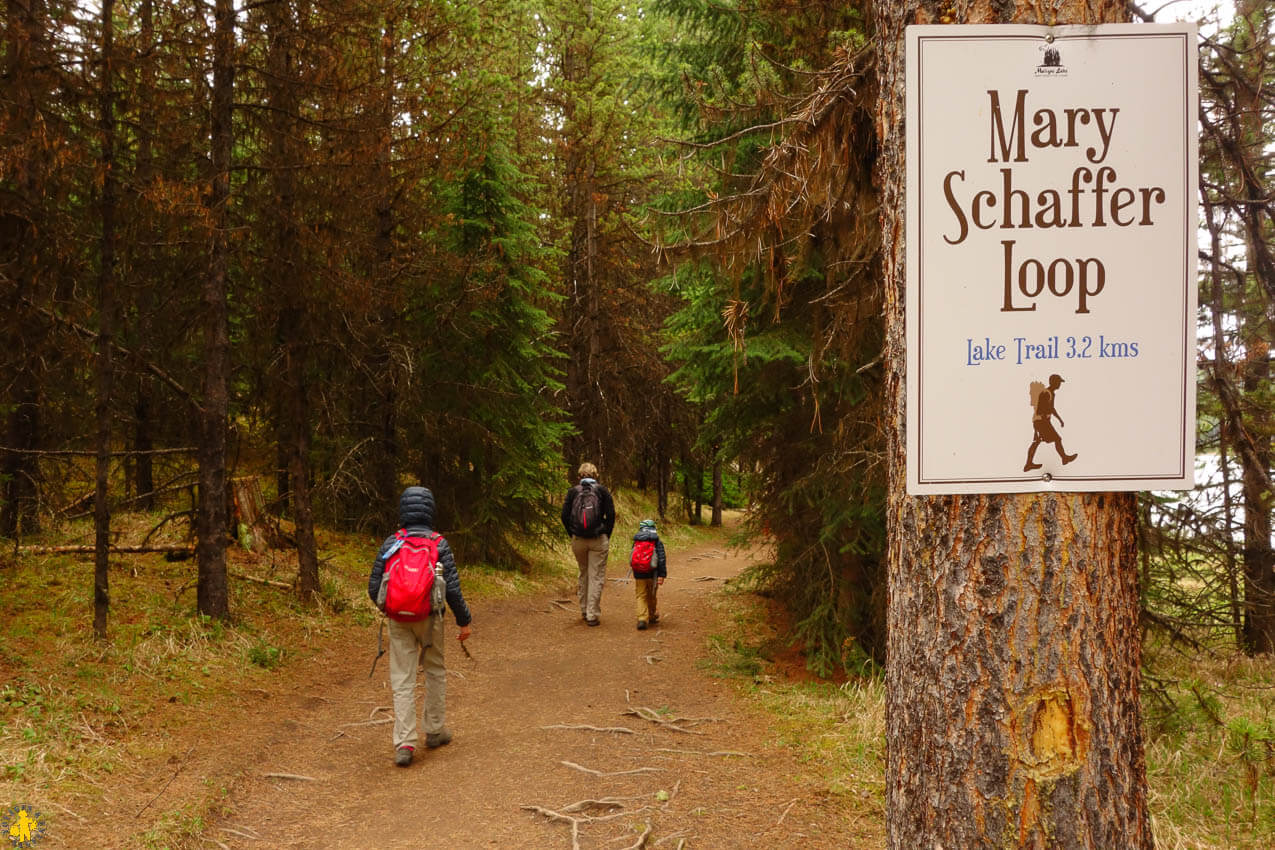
(658, 563)
(416, 515)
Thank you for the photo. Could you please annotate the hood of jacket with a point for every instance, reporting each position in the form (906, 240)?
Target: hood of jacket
(416, 508)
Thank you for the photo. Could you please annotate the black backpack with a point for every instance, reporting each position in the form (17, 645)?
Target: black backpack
(586, 512)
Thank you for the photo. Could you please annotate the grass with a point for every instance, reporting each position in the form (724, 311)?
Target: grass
(1210, 732)
(73, 711)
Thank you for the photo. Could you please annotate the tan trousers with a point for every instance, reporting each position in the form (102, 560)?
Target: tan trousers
(411, 643)
(644, 589)
(591, 556)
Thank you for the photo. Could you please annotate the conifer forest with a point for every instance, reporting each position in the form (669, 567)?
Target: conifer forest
(265, 263)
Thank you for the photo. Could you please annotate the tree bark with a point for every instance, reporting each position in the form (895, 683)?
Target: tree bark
(1258, 333)
(212, 595)
(28, 81)
(105, 333)
(287, 275)
(143, 402)
(1012, 674)
(716, 521)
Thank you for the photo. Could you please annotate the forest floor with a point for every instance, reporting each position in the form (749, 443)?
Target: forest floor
(307, 762)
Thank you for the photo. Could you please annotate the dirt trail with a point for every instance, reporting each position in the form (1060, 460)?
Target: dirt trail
(535, 665)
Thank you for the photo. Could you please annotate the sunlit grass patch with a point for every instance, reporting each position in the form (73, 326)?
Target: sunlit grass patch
(836, 730)
(1211, 750)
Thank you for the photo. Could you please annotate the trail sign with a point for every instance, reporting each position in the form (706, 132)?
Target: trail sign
(1051, 257)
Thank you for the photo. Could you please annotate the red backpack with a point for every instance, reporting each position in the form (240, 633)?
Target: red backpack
(411, 580)
(643, 557)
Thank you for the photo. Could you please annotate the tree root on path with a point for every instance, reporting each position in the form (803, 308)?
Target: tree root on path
(671, 722)
(583, 818)
(703, 752)
(619, 729)
(584, 769)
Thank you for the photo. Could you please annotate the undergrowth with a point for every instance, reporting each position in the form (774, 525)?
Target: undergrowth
(75, 712)
(1209, 718)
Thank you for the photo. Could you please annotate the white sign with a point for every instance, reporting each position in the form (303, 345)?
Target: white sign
(1051, 258)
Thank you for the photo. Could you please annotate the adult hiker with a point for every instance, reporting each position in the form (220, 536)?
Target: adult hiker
(414, 605)
(588, 515)
(1043, 427)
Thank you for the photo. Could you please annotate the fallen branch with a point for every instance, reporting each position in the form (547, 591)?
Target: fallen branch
(380, 722)
(180, 765)
(239, 834)
(68, 811)
(605, 803)
(89, 550)
(705, 578)
(586, 727)
(584, 769)
(271, 582)
(791, 803)
(295, 776)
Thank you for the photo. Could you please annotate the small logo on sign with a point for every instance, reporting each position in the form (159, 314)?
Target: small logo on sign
(1051, 63)
(23, 826)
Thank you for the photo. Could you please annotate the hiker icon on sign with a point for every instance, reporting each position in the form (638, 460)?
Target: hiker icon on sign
(1043, 414)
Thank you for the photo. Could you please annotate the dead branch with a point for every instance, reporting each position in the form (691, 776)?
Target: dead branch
(271, 582)
(91, 453)
(787, 808)
(586, 727)
(165, 521)
(584, 769)
(295, 776)
(180, 765)
(89, 550)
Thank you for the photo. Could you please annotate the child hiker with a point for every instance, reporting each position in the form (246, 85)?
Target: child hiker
(649, 571)
(422, 582)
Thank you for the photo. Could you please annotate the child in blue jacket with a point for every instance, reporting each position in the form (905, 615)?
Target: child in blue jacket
(649, 571)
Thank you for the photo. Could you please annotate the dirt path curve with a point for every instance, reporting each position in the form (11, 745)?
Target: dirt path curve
(537, 665)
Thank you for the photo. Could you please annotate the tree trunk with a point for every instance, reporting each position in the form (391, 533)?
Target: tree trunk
(105, 333)
(211, 592)
(1259, 559)
(27, 73)
(1012, 674)
(665, 467)
(143, 403)
(287, 275)
(384, 426)
(1258, 333)
(716, 521)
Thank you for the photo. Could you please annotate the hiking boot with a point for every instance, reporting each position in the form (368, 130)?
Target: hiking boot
(1066, 459)
(434, 740)
(594, 622)
(403, 756)
(641, 625)
(655, 618)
